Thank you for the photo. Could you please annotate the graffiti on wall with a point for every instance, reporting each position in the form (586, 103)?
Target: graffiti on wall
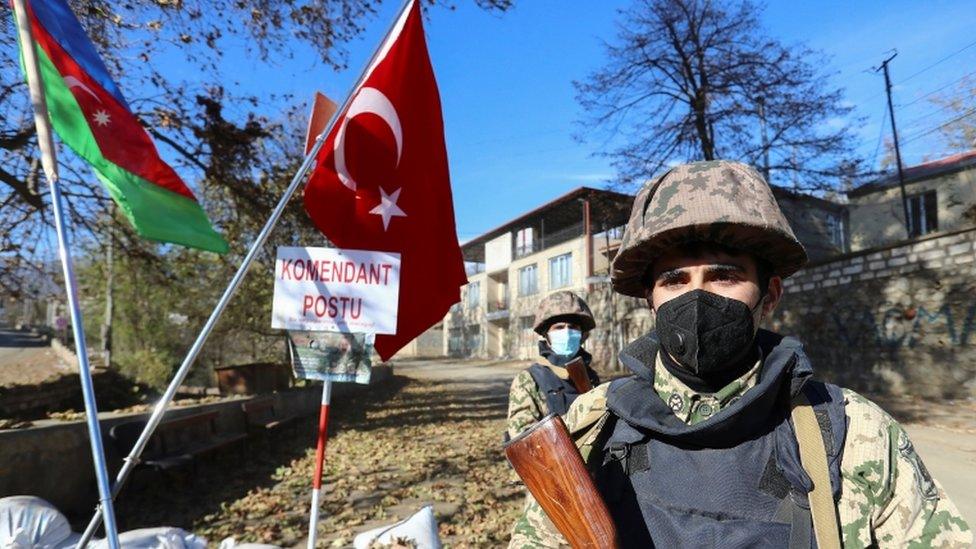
(900, 326)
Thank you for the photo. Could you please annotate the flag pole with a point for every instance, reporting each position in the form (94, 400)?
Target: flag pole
(323, 437)
(132, 460)
(49, 161)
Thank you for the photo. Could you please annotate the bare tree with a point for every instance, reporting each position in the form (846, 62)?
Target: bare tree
(187, 120)
(701, 80)
(958, 132)
(236, 150)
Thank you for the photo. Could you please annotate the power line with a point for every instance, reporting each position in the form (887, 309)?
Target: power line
(953, 54)
(922, 134)
(940, 88)
(915, 121)
(877, 147)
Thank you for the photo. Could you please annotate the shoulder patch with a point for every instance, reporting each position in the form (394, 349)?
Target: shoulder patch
(923, 479)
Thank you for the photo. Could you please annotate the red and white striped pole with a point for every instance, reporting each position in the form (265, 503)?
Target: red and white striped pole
(319, 462)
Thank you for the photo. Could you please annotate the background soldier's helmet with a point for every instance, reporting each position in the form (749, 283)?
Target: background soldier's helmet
(563, 306)
(718, 201)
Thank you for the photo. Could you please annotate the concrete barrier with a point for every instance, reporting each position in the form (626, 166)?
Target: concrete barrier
(53, 460)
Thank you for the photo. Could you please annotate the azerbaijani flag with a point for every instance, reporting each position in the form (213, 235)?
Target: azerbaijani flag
(91, 116)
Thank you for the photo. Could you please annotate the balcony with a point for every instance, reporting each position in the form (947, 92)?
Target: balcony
(497, 309)
(528, 249)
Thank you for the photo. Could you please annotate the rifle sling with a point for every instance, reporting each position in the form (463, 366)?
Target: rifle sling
(813, 457)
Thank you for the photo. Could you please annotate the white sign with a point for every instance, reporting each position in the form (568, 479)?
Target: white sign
(327, 289)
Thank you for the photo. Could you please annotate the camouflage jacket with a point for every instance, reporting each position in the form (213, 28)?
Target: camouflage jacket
(526, 404)
(887, 497)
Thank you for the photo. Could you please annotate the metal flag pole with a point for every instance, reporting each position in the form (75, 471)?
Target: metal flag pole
(323, 437)
(132, 460)
(49, 160)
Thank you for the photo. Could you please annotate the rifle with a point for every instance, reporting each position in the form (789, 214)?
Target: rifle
(551, 467)
(578, 375)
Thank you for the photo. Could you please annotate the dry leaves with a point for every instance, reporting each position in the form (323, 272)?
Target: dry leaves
(391, 450)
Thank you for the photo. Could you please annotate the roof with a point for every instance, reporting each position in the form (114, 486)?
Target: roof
(613, 199)
(783, 192)
(920, 172)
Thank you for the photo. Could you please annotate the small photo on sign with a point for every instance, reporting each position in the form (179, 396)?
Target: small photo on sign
(331, 356)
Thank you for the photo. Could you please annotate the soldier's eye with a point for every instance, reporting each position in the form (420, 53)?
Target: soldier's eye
(671, 280)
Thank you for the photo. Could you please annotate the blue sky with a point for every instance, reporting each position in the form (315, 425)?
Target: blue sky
(509, 107)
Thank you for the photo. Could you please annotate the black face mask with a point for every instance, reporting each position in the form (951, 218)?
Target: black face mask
(706, 332)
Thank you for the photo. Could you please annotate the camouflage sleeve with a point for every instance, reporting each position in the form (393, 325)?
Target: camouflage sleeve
(534, 529)
(888, 496)
(584, 419)
(525, 404)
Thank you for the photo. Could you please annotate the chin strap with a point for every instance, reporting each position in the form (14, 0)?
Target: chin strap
(813, 457)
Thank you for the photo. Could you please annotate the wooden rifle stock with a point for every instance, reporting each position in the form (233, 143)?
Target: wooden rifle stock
(578, 375)
(553, 470)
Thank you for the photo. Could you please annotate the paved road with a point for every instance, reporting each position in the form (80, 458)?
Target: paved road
(26, 359)
(948, 453)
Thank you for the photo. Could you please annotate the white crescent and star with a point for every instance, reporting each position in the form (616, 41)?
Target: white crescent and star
(371, 100)
(73, 82)
(101, 117)
(388, 207)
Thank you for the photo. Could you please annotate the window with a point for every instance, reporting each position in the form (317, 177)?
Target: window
(472, 339)
(455, 342)
(524, 242)
(474, 294)
(560, 271)
(529, 280)
(615, 233)
(526, 334)
(923, 214)
(835, 229)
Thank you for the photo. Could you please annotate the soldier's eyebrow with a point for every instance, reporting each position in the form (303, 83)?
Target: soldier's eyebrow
(670, 274)
(725, 268)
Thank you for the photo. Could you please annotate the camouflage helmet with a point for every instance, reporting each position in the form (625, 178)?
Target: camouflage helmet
(563, 306)
(719, 201)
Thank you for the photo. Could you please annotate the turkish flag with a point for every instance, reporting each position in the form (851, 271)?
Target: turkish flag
(381, 181)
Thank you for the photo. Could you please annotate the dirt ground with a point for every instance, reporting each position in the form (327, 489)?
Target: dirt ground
(27, 359)
(432, 435)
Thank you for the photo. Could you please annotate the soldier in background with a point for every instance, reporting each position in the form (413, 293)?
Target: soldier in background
(564, 321)
(699, 447)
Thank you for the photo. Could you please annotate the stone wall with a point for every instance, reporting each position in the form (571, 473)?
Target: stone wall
(894, 319)
(52, 459)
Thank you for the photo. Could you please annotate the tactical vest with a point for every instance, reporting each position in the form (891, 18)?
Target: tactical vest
(733, 480)
(559, 393)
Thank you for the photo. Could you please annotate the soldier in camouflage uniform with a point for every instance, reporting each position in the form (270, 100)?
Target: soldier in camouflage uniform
(563, 321)
(696, 448)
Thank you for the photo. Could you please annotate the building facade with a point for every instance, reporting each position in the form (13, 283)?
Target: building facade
(562, 245)
(940, 196)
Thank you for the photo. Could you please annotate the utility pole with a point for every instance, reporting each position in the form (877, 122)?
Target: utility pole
(894, 132)
(765, 142)
(615, 339)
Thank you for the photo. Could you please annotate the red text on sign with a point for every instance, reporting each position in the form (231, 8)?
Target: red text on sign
(323, 270)
(332, 307)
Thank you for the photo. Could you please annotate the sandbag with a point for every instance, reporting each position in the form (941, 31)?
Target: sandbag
(421, 528)
(27, 522)
(162, 537)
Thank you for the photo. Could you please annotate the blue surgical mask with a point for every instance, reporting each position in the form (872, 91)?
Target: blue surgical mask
(565, 342)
